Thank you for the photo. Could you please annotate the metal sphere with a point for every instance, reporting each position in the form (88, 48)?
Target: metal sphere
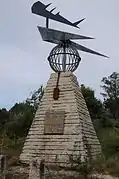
(64, 58)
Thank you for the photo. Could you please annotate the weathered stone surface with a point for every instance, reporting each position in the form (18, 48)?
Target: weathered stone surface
(76, 136)
(54, 122)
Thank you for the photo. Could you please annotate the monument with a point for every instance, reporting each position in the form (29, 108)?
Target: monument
(62, 129)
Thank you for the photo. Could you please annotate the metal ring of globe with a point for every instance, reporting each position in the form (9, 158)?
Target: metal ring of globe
(64, 57)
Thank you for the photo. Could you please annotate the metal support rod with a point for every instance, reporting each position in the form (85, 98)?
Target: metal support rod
(57, 90)
(47, 22)
(64, 57)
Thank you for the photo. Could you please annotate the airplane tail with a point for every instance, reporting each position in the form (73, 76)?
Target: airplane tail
(78, 22)
(39, 8)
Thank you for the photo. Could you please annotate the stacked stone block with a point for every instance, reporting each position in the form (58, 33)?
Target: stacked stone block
(79, 136)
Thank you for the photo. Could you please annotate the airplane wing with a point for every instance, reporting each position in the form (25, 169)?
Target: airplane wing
(85, 49)
(55, 35)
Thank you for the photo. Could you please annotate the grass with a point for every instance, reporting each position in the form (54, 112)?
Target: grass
(109, 138)
(109, 161)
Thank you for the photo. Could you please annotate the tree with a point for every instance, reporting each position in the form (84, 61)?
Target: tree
(96, 109)
(36, 97)
(94, 105)
(4, 118)
(111, 94)
(22, 114)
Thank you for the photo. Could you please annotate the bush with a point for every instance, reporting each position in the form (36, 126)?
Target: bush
(109, 138)
(104, 166)
(17, 176)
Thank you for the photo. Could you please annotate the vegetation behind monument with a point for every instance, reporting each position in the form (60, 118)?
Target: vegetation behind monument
(15, 123)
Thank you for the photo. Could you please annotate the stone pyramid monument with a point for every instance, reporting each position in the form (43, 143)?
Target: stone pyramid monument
(62, 128)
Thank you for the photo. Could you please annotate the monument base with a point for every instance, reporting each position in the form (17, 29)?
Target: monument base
(62, 132)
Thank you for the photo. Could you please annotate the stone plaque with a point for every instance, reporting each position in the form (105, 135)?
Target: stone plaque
(54, 122)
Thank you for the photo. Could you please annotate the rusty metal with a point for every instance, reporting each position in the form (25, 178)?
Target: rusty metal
(56, 91)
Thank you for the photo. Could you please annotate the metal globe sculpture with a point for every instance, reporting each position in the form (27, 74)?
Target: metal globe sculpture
(64, 57)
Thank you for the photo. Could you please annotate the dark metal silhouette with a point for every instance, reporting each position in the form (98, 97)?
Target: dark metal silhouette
(41, 9)
(65, 56)
(56, 37)
(56, 89)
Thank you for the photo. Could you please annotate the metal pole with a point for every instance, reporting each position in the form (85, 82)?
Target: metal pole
(64, 57)
(47, 22)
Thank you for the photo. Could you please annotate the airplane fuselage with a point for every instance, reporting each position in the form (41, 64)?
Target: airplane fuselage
(40, 9)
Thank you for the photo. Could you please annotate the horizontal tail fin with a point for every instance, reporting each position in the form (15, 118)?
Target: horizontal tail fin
(78, 22)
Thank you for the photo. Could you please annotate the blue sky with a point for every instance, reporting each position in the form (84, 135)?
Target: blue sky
(23, 54)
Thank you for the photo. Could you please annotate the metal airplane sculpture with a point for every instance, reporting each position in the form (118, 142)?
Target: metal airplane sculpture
(41, 9)
(55, 36)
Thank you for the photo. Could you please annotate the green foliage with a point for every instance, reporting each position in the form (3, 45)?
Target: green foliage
(15, 123)
(94, 105)
(4, 118)
(109, 138)
(111, 94)
(111, 86)
(106, 166)
(36, 97)
(10, 147)
(21, 116)
(96, 109)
